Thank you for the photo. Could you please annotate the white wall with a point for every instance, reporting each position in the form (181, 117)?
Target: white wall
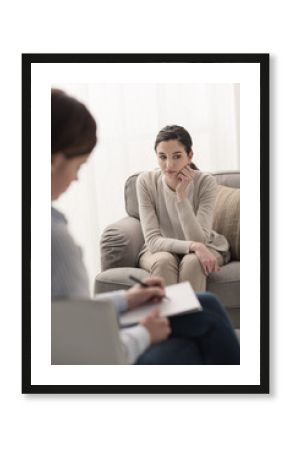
(129, 117)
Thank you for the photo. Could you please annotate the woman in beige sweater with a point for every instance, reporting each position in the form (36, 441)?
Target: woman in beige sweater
(176, 205)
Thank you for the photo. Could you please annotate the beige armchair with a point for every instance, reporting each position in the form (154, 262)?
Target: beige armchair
(122, 241)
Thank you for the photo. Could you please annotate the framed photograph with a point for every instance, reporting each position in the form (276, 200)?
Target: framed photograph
(222, 100)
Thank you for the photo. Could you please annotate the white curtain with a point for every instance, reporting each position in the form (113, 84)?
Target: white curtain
(129, 116)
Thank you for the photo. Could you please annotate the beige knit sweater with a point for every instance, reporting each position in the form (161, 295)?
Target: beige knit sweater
(171, 225)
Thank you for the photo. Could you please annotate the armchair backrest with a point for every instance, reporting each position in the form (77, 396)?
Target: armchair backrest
(131, 201)
(228, 178)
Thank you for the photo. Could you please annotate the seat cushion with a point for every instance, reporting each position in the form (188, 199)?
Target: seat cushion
(226, 284)
(227, 218)
(117, 278)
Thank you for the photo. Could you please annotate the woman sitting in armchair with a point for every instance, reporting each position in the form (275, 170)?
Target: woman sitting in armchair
(176, 206)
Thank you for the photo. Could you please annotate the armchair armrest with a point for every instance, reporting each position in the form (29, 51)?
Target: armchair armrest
(121, 243)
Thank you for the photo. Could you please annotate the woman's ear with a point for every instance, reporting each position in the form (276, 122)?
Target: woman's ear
(190, 155)
(56, 161)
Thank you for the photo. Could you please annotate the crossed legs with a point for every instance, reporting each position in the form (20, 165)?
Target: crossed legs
(205, 337)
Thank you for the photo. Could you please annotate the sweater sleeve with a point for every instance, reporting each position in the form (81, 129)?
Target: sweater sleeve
(118, 298)
(150, 223)
(197, 227)
(135, 341)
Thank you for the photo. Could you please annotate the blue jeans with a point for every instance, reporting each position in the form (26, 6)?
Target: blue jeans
(204, 337)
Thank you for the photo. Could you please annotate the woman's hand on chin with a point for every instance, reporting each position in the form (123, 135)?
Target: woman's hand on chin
(185, 177)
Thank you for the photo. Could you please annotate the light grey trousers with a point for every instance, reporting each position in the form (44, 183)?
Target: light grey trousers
(175, 269)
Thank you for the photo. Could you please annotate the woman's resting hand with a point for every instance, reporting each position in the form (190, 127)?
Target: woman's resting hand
(207, 260)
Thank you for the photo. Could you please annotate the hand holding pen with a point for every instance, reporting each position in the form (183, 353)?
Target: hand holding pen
(146, 285)
(150, 289)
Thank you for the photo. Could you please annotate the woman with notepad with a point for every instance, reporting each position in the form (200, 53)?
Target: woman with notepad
(204, 337)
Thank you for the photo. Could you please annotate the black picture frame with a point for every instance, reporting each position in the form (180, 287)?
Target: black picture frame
(263, 61)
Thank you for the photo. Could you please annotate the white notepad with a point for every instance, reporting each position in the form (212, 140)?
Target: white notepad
(181, 299)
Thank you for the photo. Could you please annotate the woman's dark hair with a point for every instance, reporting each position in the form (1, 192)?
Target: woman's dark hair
(180, 134)
(73, 128)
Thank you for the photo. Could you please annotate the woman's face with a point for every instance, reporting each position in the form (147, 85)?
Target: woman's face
(63, 172)
(172, 158)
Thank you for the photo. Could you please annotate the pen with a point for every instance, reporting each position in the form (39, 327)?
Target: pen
(143, 284)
